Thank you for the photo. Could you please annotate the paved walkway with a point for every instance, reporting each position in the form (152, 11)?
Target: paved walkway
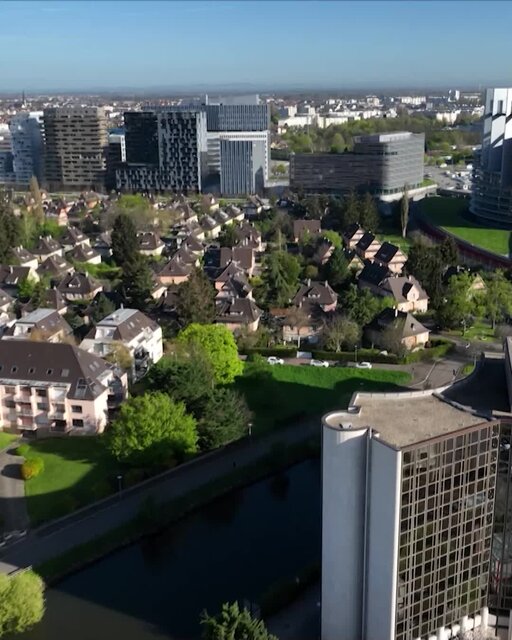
(53, 540)
(13, 507)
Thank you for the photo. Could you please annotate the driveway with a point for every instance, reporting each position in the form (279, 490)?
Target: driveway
(13, 508)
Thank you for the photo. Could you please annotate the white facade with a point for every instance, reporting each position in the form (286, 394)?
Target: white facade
(27, 146)
(129, 327)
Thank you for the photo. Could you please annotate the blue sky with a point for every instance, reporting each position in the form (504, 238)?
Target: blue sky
(74, 44)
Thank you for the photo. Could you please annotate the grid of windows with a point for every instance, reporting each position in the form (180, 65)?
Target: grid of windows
(446, 520)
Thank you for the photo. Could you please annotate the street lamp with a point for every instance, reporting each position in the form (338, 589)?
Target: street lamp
(355, 353)
(249, 429)
(120, 482)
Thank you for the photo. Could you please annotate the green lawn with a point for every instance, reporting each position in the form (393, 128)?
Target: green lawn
(280, 394)
(397, 239)
(447, 213)
(77, 471)
(479, 331)
(6, 439)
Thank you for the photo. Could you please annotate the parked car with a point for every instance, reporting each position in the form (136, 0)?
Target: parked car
(273, 360)
(364, 365)
(319, 363)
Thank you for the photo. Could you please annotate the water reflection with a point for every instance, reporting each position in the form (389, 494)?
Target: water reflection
(233, 549)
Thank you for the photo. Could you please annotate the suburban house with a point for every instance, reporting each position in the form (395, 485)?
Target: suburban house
(209, 204)
(303, 320)
(313, 296)
(210, 226)
(6, 302)
(54, 267)
(392, 329)
(234, 287)
(72, 238)
(237, 313)
(150, 243)
(304, 228)
(51, 299)
(83, 253)
(354, 262)
(192, 245)
(477, 282)
(244, 257)
(133, 329)
(179, 267)
(406, 291)
(235, 213)
(103, 244)
(12, 276)
(24, 258)
(249, 236)
(47, 387)
(79, 286)
(231, 271)
(352, 234)
(390, 256)
(323, 252)
(46, 325)
(367, 246)
(46, 248)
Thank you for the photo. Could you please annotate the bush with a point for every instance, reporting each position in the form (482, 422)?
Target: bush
(437, 349)
(31, 468)
(280, 352)
(22, 450)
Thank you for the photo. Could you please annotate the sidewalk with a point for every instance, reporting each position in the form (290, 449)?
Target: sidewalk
(53, 540)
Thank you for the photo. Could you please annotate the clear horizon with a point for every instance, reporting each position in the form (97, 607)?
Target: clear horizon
(53, 45)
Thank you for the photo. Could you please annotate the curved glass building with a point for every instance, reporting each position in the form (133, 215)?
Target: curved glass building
(492, 175)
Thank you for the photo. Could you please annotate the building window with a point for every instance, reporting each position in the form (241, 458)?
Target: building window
(42, 393)
(78, 423)
(76, 408)
(42, 406)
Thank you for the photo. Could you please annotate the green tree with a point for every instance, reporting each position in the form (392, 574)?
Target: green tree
(448, 252)
(498, 298)
(227, 236)
(280, 277)
(369, 216)
(219, 346)
(137, 208)
(101, 308)
(404, 212)
(125, 246)
(333, 237)
(351, 210)
(10, 232)
(21, 602)
(361, 305)
(196, 300)
(336, 269)
(224, 418)
(35, 192)
(233, 623)
(26, 288)
(186, 376)
(39, 292)
(425, 263)
(152, 430)
(137, 282)
(458, 303)
(340, 332)
(338, 143)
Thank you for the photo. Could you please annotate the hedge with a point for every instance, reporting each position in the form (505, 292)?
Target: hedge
(32, 468)
(22, 450)
(369, 355)
(280, 352)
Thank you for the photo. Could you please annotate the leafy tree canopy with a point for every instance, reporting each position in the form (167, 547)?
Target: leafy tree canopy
(196, 300)
(233, 623)
(224, 418)
(125, 246)
(21, 602)
(219, 346)
(152, 430)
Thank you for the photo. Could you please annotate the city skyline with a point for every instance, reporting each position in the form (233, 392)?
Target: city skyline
(79, 46)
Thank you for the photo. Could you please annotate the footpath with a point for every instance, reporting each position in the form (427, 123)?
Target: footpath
(55, 539)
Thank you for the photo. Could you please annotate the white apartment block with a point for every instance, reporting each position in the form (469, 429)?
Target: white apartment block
(133, 329)
(47, 387)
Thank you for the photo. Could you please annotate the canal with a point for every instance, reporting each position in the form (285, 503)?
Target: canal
(233, 549)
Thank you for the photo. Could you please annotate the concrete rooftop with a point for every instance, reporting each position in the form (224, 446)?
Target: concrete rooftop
(404, 418)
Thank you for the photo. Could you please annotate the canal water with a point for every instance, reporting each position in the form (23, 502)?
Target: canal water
(233, 549)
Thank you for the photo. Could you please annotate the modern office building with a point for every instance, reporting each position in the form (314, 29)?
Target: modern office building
(165, 151)
(409, 486)
(492, 176)
(116, 155)
(383, 164)
(27, 146)
(76, 142)
(243, 162)
(237, 117)
(6, 159)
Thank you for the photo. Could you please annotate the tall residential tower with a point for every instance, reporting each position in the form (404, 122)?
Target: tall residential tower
(492, 179)
(76, 142)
